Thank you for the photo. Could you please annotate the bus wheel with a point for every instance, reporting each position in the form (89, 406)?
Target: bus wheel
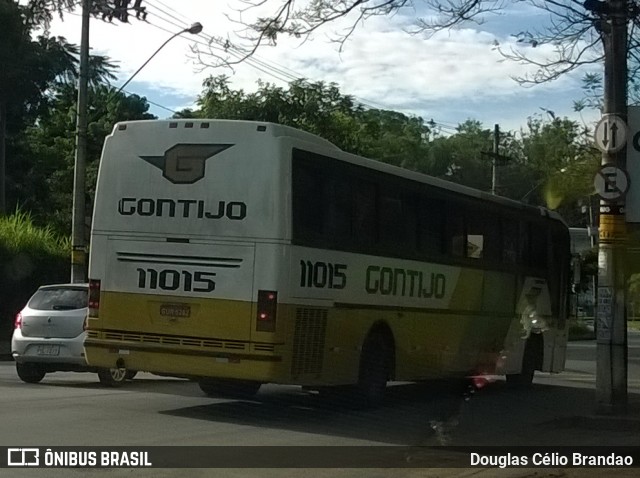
(524, 379)
(30, 372)
(375, 362)
(112, 377)
(218, 387)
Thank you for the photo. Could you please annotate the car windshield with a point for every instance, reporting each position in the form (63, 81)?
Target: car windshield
(59, 298)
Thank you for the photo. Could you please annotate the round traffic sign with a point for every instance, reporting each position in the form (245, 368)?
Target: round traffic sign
(611, 182)
(611, 133)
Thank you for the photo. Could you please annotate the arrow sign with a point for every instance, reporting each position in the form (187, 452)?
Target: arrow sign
(605, 141)
(611, 134)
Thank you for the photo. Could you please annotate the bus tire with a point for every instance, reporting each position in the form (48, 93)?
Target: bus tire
(112, 377)
(524, 379)
(228, 388)
(30, 372)
(375, 365)
(130, 375)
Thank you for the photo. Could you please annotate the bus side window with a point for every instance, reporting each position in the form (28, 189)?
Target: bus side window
(492, 239)
(410, 222)
(390, 225)
(509, 241)
(456, 239)
(524, 253)
(364, 222)
(308, 201)
(476, 235)
(338, 212)
(538, 234)
(431, 229)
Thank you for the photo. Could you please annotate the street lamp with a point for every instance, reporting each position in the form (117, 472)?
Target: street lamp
(538, 184)
(78, 253)
(193, 29)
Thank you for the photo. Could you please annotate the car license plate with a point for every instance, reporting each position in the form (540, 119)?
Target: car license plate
(175, 310)
(48, 350)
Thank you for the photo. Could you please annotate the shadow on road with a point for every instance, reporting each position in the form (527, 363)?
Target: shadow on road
(436, 414)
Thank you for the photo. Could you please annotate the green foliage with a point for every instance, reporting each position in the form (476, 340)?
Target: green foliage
(31, 66)
(321, 109)
(29, 257)
(551, 163)
(560, 160)
(18, 234)
(42, 159)
(462, 158)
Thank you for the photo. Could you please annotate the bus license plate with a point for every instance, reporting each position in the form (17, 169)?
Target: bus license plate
(48, 350)
(175, 310)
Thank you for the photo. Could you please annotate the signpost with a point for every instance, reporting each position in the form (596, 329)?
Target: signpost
(611, 183)
(611, 133)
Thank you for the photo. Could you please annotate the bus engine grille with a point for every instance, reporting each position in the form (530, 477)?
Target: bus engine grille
(308, 341)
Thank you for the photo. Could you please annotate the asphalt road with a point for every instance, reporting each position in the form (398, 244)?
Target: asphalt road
(72, 409)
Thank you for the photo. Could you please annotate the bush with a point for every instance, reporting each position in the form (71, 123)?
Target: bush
(30, 256)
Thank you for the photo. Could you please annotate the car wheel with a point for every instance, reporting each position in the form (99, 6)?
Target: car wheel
(369, 391)
(112, 377)
(30, 372)
(374, 371)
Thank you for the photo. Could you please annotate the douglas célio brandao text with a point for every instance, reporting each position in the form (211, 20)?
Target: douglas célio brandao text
(550, 459)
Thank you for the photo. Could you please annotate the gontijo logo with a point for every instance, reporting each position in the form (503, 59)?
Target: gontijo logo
(23, 457)
(184, 163)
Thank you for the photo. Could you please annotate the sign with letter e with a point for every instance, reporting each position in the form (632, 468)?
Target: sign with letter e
(611, 183)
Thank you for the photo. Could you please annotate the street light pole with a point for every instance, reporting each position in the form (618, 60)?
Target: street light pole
(78, 249)
(194, 29)
(79, 253)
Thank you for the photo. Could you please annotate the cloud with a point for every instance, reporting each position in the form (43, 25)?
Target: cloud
(380, 64)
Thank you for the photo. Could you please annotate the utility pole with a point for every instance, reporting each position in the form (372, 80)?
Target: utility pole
(611, 373)
(78, 247)
(108, 10)
(496, 159)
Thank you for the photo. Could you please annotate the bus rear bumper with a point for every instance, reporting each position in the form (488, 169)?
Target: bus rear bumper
(186, 363)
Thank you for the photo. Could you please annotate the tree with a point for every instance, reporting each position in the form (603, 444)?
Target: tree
(29, 69)
(551, 163)
(561, 154)
(321, 109)
(460, 158)
(44, 153)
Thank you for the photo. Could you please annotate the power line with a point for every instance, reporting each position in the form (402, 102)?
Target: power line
(270, 68)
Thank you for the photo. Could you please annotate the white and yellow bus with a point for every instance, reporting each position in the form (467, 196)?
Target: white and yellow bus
(239, 253)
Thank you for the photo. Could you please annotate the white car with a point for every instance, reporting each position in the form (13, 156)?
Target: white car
(49, 334)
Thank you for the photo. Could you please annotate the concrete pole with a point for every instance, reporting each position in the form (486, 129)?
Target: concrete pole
(611, 372)
(494, 159)
(79, 253)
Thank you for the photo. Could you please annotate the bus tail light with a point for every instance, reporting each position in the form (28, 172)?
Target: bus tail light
(267, 308)
(94, 298)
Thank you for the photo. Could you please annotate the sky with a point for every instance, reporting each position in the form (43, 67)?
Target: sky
(449, 78)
